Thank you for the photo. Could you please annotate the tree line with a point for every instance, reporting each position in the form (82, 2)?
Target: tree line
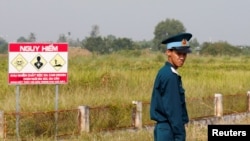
(109, 44)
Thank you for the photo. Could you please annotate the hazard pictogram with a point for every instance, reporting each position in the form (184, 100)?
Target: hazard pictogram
(57, 62)
(38, 62)
(19, 62)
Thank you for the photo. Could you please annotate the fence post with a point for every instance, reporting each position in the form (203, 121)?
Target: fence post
(1, 124)
(218, 107)
(83, 119)
(248, 101)
(138, 114)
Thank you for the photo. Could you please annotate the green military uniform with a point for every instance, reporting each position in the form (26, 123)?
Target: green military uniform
(168, 106)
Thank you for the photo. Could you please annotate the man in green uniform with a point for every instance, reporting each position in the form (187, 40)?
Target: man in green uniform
(168, 106)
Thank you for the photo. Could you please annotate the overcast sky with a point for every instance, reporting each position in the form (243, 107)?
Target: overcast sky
(207, 20)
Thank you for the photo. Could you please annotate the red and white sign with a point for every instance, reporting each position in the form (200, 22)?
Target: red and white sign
(38, 63)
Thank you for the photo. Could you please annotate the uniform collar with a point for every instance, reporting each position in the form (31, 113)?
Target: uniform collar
(172, 68)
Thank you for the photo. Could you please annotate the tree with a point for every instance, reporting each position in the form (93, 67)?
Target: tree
(123, 44)
(93, 44)
(105, 45)
(95, 31)
(62, 38)
(32, 37)
(109, 43)
(194, 44)
(144, 44)
(219, 48)
(164, 29)
(22, 39)
(3, 46)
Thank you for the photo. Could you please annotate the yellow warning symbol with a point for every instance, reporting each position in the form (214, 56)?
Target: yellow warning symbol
(38, 62)
(57, 62)
(19, 62)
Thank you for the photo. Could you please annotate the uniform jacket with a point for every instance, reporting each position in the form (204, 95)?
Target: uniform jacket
(168, 100)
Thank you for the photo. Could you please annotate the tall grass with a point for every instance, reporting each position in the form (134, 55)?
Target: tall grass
(120, 78)
(204, 76)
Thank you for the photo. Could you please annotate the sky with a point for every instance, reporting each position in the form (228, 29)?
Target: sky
(207, 20)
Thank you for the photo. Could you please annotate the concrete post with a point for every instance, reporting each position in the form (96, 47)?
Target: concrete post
(248, 101)
(83, 119)
(218, 105)
(138, 114)
(1, 124)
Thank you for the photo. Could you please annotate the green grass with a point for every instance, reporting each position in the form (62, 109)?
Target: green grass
(118, 79)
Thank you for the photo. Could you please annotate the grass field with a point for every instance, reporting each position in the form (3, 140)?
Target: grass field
(118, 79)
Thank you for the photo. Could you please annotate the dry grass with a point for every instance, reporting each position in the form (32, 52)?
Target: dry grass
(77, 51)
(118, 80)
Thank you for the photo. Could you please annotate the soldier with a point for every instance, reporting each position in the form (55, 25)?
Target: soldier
(168, 106)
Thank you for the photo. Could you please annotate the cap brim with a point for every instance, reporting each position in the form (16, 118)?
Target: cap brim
(183, 49)
(178, 37)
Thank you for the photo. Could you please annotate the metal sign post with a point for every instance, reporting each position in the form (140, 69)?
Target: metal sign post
(56, 110)
(17, 111)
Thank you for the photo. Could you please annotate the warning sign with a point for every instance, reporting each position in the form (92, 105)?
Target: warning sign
(57, 62)
(19, 62)
(38, 63)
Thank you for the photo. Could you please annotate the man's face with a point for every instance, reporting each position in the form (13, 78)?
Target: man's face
(177, 59)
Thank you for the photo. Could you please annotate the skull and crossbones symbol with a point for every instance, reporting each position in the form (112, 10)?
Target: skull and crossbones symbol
(19, 62)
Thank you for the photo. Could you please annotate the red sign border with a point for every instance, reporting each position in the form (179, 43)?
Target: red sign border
(37, 78)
